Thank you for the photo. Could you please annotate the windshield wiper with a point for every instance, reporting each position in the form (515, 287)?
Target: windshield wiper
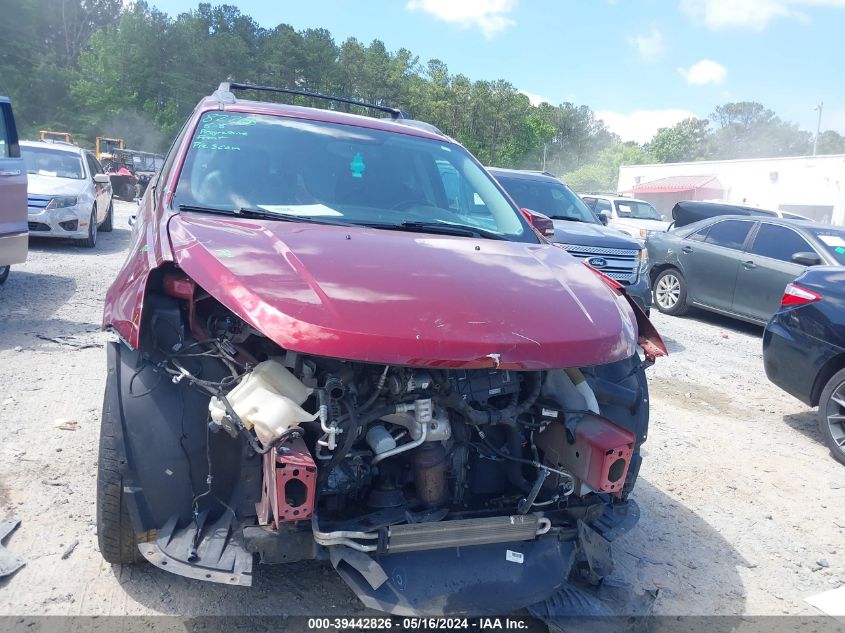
(261, 214)
(441, 228)
(568, 218)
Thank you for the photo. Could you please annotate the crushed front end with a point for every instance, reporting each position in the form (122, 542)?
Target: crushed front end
(430, 490)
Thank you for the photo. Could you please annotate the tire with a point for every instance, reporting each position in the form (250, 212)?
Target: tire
(108, 223)
(832, 415)
(670, 292)
(4, 273)
(91, 240)
(115, 534)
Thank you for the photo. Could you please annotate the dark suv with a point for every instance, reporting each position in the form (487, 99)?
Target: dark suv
(578, 230)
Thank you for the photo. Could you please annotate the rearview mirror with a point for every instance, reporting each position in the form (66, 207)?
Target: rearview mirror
(103, 179)
(542, 223)
(808, 258)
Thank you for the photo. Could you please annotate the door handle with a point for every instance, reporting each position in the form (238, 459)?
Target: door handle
(10, 172)
(687, 249)
(749, 265)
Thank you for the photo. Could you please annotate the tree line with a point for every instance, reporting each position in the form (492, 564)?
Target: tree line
(105, 67)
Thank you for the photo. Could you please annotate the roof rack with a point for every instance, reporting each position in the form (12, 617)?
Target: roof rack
(394, 113)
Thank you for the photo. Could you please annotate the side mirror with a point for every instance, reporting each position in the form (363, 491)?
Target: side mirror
(132, 220)
(604, 218)
(103, 179)
(808, 258)
(542, 223)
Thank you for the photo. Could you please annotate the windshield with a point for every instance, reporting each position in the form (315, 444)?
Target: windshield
(44, 161)
(833, 242)
(553, 199)
(636, 210)
(340, 173)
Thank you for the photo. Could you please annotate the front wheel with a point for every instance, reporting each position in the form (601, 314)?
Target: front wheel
(108, 223)
(91, 240)
(832, 415)
(115, 534)
(670, 292)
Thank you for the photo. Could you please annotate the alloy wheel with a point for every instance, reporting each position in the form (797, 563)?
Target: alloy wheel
(835, 413)
(668, 291)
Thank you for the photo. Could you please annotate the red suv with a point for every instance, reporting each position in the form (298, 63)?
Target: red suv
(341, 340)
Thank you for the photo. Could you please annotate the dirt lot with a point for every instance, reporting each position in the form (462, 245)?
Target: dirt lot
(743, 510)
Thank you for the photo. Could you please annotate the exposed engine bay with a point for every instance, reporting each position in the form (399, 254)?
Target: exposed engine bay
(288, 456)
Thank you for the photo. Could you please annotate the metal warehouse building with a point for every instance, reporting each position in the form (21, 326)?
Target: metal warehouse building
(813, 186)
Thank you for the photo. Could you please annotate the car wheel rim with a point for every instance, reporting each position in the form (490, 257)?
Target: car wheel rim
(835, 414)
(668, 291)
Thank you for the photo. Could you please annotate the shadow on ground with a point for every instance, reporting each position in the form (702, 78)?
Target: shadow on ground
(724, 322)
(673, 551)
(27, 304)
(107, 243)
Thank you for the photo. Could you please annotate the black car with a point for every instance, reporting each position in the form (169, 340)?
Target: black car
(804, 349)
(737, 266)
(579, 231)
(689, 211)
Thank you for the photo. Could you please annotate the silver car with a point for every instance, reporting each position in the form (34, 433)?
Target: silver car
(69, 196)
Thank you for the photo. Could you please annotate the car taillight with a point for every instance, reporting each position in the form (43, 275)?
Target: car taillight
(795, 295)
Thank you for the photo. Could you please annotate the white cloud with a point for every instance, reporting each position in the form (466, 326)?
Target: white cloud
(490, 16)
(641, 125)
(650, 46)
(753, 14)
(535, 99)
(704, 72)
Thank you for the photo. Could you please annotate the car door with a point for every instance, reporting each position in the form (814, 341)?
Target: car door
(710, 261)
(101, 192)
(766, 268)
(13, 207)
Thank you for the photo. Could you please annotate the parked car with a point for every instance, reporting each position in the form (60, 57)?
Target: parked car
(637, 218)
(689, 211)
(579, 231)
(341, 340)
(14, 239)
(804, 348)
(737, 265)
(69, 195)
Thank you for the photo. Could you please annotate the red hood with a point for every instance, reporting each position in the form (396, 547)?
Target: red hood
(406, 298)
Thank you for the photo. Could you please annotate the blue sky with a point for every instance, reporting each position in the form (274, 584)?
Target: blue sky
(641, 64)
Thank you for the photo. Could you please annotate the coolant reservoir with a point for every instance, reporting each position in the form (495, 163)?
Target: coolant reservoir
(268, 400)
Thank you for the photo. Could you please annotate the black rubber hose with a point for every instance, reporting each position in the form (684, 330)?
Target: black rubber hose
(351, 435)
(514, 468)
(506, 416)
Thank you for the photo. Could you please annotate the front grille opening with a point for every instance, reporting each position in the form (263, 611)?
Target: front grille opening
(38, 226)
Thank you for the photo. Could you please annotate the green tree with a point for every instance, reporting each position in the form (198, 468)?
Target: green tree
(687, 140)
(602, 175)
(830, 142)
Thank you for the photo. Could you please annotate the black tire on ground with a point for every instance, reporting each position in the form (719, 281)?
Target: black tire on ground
(108, 223)
(670, 292)
(91, 240)
(115, 535)
(832, 415)
(4, 273)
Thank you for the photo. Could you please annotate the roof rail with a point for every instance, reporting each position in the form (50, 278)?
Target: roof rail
(227, 86)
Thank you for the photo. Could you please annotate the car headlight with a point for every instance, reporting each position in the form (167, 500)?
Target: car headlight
(642, 260)
(62, 202)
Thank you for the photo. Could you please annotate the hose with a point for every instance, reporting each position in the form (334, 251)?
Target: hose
(514, 469)
(506, 416)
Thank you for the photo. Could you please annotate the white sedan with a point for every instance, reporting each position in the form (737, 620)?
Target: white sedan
(68, 196)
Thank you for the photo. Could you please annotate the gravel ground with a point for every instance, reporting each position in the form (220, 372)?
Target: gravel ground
(743, 510)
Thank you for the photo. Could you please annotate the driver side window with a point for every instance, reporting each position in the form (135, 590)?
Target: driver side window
(603, 205)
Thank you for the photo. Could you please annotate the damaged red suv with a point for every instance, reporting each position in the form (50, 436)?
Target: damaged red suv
(341, 340)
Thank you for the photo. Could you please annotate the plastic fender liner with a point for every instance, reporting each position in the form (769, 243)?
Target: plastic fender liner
(478, 580)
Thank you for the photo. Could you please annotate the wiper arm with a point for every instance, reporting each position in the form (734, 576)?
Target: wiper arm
(261, 214)
(448, 228)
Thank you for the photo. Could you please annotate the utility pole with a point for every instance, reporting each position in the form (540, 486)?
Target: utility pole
(818, 127)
